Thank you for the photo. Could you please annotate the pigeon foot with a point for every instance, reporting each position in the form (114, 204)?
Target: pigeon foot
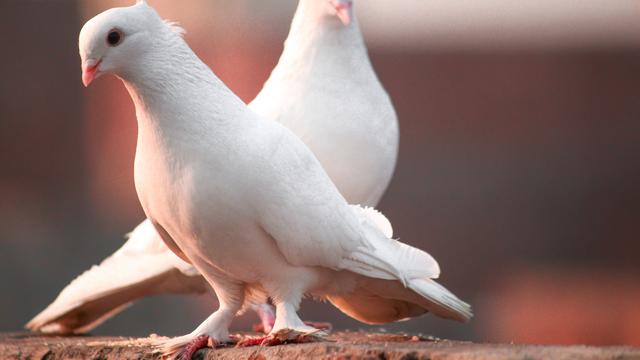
(266, 328)
(283, 336)
(196, 344)
(184, 347)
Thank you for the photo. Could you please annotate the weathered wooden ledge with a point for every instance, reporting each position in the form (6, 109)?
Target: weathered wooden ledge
(343, 345)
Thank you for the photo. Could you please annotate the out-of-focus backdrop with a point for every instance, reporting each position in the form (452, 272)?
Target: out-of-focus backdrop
(519, 164)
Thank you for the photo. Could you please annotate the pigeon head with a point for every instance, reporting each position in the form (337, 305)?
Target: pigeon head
(112, 40)
(328, 9)
(343, 9)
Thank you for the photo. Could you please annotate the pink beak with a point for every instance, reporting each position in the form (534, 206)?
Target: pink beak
(344, 10)
(89, 71)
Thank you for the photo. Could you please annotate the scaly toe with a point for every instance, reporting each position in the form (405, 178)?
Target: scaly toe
(251, 341)
(183, 347)
(170, 348)
(196, 344)
(271, 340)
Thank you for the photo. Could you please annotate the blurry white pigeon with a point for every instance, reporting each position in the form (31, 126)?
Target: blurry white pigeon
(243, 199)
(325, 90)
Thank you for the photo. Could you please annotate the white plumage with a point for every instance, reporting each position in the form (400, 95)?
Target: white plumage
(244, 199)
(325, 90)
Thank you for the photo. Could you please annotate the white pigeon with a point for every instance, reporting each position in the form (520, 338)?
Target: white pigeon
(243, 199)
(325, 90)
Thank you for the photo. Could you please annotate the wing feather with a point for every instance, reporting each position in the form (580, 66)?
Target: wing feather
(313, 225)
(142, 266)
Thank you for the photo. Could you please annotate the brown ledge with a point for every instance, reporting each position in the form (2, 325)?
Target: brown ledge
(342, 345)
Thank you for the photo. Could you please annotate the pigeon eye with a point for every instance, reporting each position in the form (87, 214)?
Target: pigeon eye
(114, 37)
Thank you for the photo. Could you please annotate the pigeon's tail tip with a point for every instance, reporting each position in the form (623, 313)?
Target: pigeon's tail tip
(465, 311)
(35, 324)
(445, 304)
(29, 326)
(38, 326)
(51, 321)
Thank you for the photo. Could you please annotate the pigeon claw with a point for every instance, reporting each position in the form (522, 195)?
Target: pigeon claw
(201, 342)
(250, 341)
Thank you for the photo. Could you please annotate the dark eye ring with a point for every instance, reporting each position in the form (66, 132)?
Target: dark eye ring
(114, 37)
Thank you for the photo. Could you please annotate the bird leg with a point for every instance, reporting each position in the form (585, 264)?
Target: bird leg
(287, 318)
(211, 333)
(201, 342)
(267, 318)
(288, 328)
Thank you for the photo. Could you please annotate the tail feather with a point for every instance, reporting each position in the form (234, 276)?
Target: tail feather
(378, 219)
(447, 304)
(388, 259)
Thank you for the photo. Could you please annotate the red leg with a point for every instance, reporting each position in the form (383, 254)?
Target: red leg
(251, 341)
(268, 318)
(196, 344)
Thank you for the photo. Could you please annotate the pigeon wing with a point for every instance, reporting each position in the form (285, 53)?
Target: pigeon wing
(314, 226)
(143, 266)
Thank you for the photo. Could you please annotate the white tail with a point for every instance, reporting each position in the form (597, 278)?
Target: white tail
(448, 305)
(388, 259)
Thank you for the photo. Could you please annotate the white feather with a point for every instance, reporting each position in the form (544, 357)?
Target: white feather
(175, 26)
(447, 304)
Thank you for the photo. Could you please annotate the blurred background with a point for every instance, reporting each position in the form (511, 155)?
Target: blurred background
(519, 164)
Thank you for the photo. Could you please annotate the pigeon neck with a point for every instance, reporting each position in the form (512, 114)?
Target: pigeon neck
(170, 85)
(165, 73)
